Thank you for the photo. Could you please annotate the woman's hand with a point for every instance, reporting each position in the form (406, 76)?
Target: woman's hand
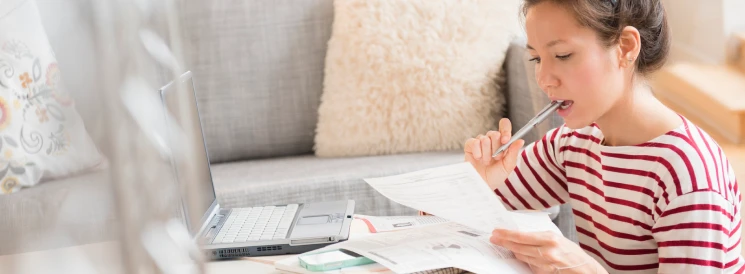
(546, 252)
(480, 149)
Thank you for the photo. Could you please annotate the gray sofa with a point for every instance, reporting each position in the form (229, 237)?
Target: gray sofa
(258, 70)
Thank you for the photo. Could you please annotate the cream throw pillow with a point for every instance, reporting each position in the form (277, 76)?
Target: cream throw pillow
(42, 137)
(412, 76)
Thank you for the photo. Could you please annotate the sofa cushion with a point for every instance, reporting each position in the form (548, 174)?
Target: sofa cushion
(308, 179)
(42, 135)
(72, 35)
(412, 76)
(258, 70)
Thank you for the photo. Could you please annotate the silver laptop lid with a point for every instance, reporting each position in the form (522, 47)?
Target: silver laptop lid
(181, 104)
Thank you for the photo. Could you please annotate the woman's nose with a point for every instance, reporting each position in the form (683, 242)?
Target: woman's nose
(547, 81)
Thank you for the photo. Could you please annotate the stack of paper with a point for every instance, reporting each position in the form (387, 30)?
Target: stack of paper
(455, 193)
(426, 248)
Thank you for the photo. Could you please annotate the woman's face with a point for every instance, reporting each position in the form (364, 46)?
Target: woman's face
(572, 64)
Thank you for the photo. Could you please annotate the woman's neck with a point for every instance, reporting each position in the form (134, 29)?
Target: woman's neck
(637, 118)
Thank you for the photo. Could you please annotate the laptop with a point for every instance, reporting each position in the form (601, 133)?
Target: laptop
(252, 231)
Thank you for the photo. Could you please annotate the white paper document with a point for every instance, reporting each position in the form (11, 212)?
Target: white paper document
(436, 246)
(459, 194)
(377, 224)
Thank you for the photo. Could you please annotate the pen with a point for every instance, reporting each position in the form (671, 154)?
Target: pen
(542, 115)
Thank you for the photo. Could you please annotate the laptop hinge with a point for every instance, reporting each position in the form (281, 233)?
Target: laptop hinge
(208, 224)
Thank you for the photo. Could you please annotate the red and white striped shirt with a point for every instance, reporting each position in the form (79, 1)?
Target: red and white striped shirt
(670, 205)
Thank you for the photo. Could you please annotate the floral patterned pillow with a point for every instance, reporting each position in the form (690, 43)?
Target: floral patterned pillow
(42, 137)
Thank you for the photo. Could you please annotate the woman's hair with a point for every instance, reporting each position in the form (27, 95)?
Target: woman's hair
(608, 18)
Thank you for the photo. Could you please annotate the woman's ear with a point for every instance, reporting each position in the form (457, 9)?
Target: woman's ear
(630, 44)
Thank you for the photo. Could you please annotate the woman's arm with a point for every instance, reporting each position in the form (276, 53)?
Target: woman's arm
(699, 232)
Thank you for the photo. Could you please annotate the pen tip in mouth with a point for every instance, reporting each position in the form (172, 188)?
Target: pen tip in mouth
(566, 104)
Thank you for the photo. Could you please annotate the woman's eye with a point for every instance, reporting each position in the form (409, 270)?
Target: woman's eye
(563, 57)
(537, 60)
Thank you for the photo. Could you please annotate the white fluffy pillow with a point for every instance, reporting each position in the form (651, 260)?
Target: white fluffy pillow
(42, 137)
(414, 75)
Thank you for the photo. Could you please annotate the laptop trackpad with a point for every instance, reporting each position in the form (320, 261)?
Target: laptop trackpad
(314, 220)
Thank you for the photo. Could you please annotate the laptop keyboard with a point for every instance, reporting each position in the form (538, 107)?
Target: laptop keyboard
(257, 224)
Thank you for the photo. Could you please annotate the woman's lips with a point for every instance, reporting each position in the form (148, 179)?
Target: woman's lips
(565, 108)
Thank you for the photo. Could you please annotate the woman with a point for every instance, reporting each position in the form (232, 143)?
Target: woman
(650, 191)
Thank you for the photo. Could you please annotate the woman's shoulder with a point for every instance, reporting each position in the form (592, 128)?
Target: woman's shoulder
(693, 160)
(688, 144)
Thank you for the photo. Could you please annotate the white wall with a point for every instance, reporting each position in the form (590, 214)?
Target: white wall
(734, 15)
(734, 22)
(697, 27)
(702, 29)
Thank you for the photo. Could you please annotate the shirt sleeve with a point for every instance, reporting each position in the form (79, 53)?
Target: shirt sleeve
(699, 232)
(539, 180)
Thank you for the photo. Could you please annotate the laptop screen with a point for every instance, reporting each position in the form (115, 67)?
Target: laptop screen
(181, 104)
